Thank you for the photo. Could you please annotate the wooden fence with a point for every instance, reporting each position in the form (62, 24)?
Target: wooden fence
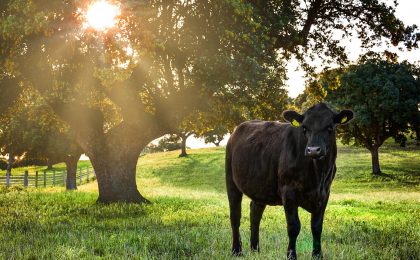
(43, 179)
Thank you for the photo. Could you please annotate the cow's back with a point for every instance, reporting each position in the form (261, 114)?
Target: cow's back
(253, 151)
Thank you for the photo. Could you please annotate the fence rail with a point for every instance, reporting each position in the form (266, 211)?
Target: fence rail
(43, 179)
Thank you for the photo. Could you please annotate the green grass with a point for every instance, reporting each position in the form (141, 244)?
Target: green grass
(367, 218)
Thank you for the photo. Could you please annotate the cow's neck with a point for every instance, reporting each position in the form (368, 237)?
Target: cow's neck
(323, 168)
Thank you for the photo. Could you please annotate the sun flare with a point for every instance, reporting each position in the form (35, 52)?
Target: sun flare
(102, 15)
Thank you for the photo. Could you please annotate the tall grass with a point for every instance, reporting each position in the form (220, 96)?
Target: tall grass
(367, 218)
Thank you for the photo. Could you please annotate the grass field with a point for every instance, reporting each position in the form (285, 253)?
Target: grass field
(367, 218)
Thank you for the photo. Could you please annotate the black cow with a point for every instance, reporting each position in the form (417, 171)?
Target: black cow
(283, 164)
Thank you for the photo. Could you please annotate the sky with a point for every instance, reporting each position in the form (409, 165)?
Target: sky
(407, 10)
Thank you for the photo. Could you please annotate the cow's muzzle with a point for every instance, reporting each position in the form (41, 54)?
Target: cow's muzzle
(314, 152)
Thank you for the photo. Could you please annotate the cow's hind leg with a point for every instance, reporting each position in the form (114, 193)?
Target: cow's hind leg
(235, 201)
(257, 211)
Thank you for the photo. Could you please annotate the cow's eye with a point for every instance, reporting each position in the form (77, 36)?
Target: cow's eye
(304, 129)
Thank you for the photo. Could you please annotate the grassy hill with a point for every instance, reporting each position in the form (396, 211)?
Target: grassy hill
(367, 218)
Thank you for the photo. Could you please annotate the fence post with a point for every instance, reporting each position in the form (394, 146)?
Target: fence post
(36, 179)
(64, 177)
(8, 179)
(87, 174)
(53, 177)
(45, 179)
(25, 179)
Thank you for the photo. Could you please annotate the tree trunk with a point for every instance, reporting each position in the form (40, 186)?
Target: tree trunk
(49, 164)
(114, 159)
(71, 168)
(117, 177)
(183, 146)
(114, 153)
(376, 170)
(217, 144)
(9, 164)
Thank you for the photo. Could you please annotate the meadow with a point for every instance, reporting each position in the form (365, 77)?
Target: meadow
(366, 218)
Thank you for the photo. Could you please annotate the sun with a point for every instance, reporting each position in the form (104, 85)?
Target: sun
(102, 15)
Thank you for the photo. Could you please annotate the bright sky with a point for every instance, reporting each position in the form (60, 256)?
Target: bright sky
(407, 11)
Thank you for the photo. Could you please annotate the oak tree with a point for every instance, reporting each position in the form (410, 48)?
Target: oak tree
(384, 96)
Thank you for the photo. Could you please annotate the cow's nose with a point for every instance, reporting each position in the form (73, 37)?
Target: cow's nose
(313, 151)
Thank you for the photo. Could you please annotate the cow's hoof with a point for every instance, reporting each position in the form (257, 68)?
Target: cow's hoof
(291, 255)
(317, 256)
(255, 249)
(237, 253)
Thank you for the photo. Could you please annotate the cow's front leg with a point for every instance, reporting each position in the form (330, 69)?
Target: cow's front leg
(293, 228)
(317, 218)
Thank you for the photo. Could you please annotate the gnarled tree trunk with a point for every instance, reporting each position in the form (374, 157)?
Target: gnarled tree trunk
(114, 157)
(117, 177)
(71, 168)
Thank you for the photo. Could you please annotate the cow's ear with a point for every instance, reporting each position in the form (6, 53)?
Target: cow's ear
(343, 117)
(293, 117)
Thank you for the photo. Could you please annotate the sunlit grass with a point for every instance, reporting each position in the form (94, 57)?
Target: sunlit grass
(367, 218)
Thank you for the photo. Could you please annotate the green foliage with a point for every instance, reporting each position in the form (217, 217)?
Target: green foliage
(369, 218)
(384, 97)
(31, 130)
(308, 29)
(180, 51)
(216, 135)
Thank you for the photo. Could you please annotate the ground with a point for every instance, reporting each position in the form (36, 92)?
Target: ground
(367, 218)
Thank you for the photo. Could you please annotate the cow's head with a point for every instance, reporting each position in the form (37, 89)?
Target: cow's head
(318, 125)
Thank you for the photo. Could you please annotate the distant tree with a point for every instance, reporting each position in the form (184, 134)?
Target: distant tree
(170, 143)
(216, 135)
(183, 135)
(31, 130)
(165, 144)
(384, 96)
